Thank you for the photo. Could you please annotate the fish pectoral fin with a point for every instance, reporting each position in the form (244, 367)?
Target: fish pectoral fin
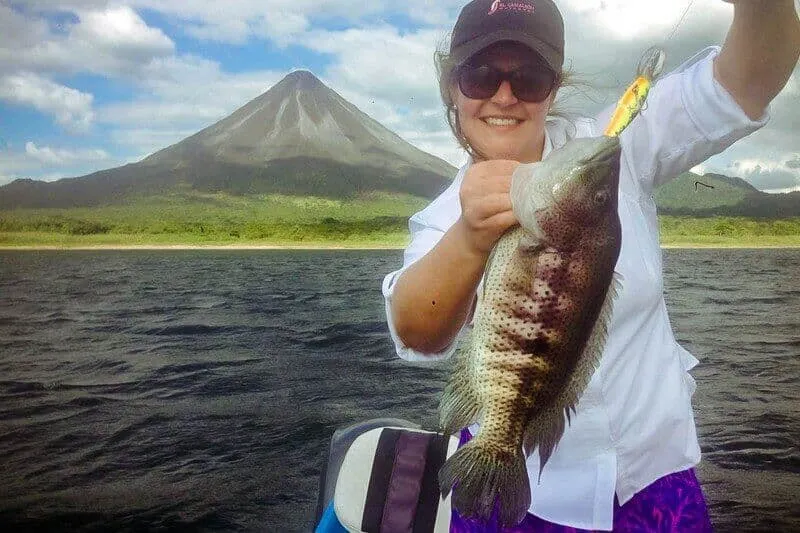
(529, 243)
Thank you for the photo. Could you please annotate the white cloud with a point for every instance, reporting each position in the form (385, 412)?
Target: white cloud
(112, 41)
(783, 191)
(277, 20)
(50, 163)
(179, 99)
(119, 31)
(631, 19)
(18, 30)
(380, 61)
(70, 107)
(37, 157)
(281, 27)
(765, 174)
(229, 31)
(52, 157)
(161, 113)
(283, 21)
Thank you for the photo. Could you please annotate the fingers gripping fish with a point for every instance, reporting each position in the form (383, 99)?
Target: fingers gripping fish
(541, 326)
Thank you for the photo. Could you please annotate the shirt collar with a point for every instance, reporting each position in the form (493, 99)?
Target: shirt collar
(548, 143)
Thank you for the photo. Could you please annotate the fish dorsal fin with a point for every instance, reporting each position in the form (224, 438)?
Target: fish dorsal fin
(593, 350)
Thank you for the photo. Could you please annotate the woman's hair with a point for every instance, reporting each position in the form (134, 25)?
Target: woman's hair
(445, 74)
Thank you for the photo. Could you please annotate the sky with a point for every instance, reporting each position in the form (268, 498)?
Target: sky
(87, 85)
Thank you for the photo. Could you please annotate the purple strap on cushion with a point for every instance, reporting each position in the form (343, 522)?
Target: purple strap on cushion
(402, 495)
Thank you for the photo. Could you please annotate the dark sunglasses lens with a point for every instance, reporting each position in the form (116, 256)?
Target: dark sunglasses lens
(479, 83)
(532, 84)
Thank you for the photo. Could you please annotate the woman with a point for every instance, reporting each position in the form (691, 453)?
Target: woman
(626, 460)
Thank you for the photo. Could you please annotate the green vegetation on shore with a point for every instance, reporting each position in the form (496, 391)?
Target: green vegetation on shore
(373, 221)
(217, 219)
(729, 232)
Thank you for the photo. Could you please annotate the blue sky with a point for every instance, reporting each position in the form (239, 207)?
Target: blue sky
(92, 84)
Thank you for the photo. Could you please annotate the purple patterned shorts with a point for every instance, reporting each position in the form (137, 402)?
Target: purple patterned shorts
(673, 504)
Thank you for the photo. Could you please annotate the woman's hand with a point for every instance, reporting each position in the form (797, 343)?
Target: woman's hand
(434, 297)
(486, 205)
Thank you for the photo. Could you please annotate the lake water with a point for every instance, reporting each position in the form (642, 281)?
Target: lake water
(197, 390)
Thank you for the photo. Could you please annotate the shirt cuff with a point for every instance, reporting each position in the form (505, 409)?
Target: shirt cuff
(406, 353)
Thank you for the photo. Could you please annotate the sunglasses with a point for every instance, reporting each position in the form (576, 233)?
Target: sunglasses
(529, 83)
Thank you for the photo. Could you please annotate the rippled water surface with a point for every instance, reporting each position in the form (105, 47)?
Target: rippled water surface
(197, 391)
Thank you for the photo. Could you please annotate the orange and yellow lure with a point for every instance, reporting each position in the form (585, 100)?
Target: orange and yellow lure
(632, 101)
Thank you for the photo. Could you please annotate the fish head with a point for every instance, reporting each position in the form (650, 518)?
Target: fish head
(570, 194)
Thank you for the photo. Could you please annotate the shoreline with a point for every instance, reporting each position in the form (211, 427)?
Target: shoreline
(255, 247)
(209, 247)
(730, 246)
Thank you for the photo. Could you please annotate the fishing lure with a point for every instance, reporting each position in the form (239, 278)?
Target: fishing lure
(632, 102)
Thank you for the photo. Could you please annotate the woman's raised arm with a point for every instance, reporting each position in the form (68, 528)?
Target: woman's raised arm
(760, 52)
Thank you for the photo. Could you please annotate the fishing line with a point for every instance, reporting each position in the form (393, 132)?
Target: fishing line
(680, 21)
(649, 57)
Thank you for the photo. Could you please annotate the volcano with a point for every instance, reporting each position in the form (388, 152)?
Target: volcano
(298, 138)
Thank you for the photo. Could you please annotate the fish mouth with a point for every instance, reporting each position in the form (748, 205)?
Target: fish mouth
(607, 153)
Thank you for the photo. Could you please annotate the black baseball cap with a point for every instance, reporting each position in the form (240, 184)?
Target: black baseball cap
(534, 23)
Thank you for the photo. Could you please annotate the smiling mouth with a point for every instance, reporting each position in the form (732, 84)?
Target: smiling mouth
(502, 122)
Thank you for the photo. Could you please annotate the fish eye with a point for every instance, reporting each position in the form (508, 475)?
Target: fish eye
(601, 197)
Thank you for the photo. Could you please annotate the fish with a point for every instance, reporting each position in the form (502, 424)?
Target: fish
(539, 329)
(542, 320)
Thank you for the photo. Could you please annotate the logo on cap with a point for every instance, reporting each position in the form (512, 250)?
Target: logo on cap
(498, 5)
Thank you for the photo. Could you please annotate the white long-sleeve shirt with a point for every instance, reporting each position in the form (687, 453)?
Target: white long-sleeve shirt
(634, 422)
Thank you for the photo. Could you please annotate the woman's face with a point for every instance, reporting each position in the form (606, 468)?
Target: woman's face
(502, 126)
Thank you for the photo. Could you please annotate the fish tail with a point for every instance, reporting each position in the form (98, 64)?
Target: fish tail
(487, 478)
